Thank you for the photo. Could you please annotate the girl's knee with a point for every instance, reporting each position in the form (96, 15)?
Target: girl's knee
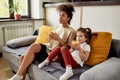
(64, 48)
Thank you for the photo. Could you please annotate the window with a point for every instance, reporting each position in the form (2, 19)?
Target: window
(24, 8)
(4, 11)
(84, 0)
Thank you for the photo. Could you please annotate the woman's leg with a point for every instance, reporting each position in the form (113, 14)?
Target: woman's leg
(21, 59)
(27, 60)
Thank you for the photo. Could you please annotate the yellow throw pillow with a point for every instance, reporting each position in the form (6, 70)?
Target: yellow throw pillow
(43, 34)
(100, 46)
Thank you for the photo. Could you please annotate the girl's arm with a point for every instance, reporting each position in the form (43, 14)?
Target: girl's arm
(71, 49)
(83, 54)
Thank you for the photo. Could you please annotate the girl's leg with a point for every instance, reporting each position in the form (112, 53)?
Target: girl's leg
(54, 53)
(68, 59)
(69, 63)
(26, 61)
(51, 56)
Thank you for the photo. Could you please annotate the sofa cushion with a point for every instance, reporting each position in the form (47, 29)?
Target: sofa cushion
(43, 34)
(107, 70)
(54, 70)
(22, 41)
(100, 46)
(17, 51)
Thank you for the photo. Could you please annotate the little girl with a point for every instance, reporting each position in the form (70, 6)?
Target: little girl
(73, 57)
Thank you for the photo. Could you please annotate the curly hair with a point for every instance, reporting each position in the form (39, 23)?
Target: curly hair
(68, 8)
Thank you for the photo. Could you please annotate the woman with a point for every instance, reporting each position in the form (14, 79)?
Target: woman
(62, 36)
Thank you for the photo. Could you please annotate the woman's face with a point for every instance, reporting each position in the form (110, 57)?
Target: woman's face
(63, 17)
(80, 37)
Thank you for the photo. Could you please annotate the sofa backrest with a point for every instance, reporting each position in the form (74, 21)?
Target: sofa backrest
(115, 49)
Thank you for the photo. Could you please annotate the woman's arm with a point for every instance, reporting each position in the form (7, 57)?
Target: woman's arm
(50, 36)
(61, 42)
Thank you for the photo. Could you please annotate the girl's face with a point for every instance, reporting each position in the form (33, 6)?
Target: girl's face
(63, 17)
(80, 37)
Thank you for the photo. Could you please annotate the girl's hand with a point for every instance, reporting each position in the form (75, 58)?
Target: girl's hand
(71, 49)
(77, 47)
(74, 44)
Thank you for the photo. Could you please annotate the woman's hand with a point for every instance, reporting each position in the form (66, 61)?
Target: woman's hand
(50, 35)
(55, 36)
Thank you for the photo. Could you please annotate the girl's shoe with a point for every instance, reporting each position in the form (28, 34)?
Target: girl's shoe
(67, 74)
(45, 62)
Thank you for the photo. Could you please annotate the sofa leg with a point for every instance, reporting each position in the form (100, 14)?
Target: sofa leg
(14, 72)
(0, 54)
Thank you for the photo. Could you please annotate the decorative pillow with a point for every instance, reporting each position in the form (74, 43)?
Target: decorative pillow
(43, 34)
(107, 70)
(22, 41)
(100, 47)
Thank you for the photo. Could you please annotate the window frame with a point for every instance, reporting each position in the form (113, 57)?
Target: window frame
(29, 11)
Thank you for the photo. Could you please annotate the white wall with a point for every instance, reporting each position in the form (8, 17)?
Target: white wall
(98, 18)
(102, 18)
(52, 17)
(37, 11)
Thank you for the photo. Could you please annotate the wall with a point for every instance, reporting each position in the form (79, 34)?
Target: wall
(36, 24)
(99, 18)
(37, 11)
(102, 18)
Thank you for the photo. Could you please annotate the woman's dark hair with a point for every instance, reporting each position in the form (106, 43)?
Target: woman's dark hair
(87, 32)
(68, 8)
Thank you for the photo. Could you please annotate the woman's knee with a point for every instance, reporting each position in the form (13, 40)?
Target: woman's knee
(35, 47)
(21, 57)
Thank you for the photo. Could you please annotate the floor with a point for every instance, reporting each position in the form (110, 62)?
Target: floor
(5, 71)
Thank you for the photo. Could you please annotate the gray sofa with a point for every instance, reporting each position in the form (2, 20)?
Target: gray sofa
(107, 70)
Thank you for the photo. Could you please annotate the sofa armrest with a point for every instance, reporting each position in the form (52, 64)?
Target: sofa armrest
(22, 41)
(115, 49)
(36, 32)
(107, 70)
